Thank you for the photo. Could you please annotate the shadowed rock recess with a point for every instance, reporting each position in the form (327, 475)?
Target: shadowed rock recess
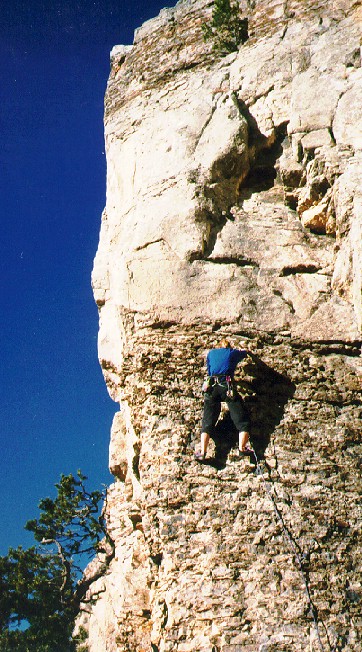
(234, 207)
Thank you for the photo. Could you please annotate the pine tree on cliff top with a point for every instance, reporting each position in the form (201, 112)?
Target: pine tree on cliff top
(227, 29)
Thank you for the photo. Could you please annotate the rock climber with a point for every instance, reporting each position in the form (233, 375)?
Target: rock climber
(219, 387)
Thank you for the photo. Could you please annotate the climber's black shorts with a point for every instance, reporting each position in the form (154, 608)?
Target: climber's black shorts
(212, 407)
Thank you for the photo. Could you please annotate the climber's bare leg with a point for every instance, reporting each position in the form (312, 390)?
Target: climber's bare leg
(243, 440)
(205, 438)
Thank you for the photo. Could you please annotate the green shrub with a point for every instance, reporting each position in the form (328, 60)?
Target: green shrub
(227, 29)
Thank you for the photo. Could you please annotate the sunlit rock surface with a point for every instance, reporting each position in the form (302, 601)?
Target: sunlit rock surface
(234, 207)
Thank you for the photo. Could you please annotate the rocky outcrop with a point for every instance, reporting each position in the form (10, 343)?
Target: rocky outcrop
(234, 207)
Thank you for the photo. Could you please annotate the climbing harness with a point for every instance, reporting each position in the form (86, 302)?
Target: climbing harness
(221, 380)
(294, 550)
(230, 387)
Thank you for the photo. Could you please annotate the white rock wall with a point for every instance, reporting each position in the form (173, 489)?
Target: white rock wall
(233, 207)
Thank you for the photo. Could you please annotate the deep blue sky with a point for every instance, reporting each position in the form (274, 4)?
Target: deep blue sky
(55, 411)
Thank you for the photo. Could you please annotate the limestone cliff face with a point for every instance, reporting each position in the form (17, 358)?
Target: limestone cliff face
(234, 207)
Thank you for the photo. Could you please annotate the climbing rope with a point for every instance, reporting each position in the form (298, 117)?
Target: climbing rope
(294, 550)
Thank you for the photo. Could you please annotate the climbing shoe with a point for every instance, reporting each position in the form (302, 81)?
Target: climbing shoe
(241, 455)
(200, 457)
